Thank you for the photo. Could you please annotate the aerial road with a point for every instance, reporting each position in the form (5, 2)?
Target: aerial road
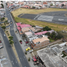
(19, 50)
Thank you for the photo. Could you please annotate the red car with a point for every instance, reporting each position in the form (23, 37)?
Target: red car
(27, 42)
(0, 41)
(21, 42)
(34, 59)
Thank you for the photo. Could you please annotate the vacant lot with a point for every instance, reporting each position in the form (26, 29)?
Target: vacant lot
(34, 11)
(57, 27)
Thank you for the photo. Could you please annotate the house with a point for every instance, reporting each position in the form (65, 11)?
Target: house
(39, 42)
(45, 4)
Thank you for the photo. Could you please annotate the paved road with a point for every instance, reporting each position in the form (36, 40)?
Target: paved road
(28, 16)
(55, 13)
(19, 50)
(59, 17)
(9, 50)
(1, 22)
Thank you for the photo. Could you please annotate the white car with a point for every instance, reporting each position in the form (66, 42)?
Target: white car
(4, 35)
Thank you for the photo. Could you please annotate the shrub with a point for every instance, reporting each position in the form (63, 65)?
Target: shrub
(20, 40)
(29, 59)
(10, 37)
(46, 28)
(25, 52)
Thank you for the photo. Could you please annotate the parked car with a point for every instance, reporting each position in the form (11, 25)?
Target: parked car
(20, 41)
(34, 59)
(0, 41)
(27, 42)
(1, 46)
(28, 48)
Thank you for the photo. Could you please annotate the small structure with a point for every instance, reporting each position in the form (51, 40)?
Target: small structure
(65, 52)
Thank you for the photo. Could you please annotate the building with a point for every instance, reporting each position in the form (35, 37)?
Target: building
(40, 33)
(40, 41)
(52, 56)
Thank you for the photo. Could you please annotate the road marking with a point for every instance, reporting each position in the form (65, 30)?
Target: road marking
(36, 17)
(61, 19)
(45, 18)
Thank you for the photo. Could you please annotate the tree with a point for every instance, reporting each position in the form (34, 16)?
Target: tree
(33, 7)
(46, 28)
(51, 4)
(11, 42)
(1, 1)
(2, 5)
(48, 34)
(2, 19)
(4, 27)
(62, 5)
(6, 22)
(10, 38)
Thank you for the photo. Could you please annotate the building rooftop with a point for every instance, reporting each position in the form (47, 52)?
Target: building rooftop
(40, 33)
(25, 29)
(19, 28)
(24, 25)
(32, 37)
(18, 24)
(39, 40)
(28, 33)
(51, 56)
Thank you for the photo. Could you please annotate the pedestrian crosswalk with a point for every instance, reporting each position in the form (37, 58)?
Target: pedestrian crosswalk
(45, 18)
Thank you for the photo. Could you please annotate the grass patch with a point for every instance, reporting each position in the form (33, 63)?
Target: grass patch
(51, 40)
(54, 26)
(35, 11)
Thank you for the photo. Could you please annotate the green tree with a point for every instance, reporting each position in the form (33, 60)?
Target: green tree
(48, 34)
(6, 22)
(1, 1)
(46, 28)
(2, 19)
(33, 7)
(10, 38)
(11, 42)
(2, 5)
(4, 27)
(51, 4)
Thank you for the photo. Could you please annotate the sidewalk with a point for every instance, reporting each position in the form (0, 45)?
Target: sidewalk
(24, 46)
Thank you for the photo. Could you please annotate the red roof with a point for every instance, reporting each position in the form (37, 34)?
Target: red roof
(25, 25)
(40, 33)
(19, 28)
(44, 2)
(25, 6)
(18, 24)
